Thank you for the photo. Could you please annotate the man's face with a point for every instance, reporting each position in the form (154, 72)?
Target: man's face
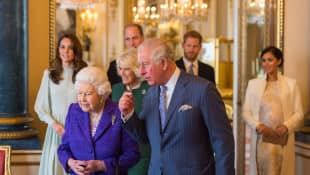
(133, 38)
(152, 72)
(191, 48)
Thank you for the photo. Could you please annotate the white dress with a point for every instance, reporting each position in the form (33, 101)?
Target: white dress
(270, 156)
(61, 96)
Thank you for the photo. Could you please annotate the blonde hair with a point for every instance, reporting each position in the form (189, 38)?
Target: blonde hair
(129, 59)
(96, 77)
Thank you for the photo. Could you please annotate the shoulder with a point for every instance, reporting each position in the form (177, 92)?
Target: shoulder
(144, 85)
(46, 72)
(179, 61)
(288, 80)
(194, 81)
(118, 86)
(112, 108)
(256, 81)
(75, 108)
(204, 65)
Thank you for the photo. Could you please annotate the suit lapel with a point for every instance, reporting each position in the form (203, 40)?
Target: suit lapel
(84, 126)
(200, 70)
(105, 121)
(177, 96)
(182, 65)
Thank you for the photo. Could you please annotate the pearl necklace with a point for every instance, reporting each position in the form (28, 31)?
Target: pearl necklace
(94, 121)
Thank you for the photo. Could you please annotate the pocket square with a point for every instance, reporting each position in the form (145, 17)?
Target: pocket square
(185, 107)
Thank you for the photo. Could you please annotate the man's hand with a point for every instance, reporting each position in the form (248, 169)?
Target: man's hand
(126, 103)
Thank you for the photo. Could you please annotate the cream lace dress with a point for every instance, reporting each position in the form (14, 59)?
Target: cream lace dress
(61, 96)
(270, 156)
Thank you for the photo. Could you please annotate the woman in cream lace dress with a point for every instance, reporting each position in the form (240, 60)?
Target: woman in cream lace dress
(55, 95)
(273, 111)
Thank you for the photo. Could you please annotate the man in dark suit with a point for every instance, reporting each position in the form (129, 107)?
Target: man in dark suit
(185, 123)
(133, 38)
(192, 44)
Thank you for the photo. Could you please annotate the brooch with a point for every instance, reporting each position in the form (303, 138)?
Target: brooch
(113, 119)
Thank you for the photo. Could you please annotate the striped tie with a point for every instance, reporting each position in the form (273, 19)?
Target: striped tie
(191, 69)
(162, 105)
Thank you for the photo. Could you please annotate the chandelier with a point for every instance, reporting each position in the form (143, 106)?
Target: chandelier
(255, 10)
(143, 12)
(185, 11)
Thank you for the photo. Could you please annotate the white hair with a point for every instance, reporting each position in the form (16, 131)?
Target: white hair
(129, 59)
(96, 77)
(158, 49)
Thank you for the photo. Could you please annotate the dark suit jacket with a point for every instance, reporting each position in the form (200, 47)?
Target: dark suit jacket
(204, 70)
(112, 73)
(197, 138)
(111, 143)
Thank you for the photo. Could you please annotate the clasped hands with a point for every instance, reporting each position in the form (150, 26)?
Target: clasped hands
(87, 167)
(275, 136)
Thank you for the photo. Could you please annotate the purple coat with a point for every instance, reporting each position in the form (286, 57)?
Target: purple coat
(111, 142)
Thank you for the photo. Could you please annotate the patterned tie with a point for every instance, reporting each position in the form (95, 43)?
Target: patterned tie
(162, 105)
(191, 69)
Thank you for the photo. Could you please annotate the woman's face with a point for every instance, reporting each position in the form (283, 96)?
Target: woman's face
(66, 52)
(88, 98)
(128, 76)
(270, 63)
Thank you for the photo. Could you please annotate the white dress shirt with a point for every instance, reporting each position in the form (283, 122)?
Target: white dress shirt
(171, 85)
(188, 63)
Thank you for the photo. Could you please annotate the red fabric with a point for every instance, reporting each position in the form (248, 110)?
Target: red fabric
(2, 162)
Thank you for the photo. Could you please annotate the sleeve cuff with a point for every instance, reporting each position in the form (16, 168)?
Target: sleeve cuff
(125, 118)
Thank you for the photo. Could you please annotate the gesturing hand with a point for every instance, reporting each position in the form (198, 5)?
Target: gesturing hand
(126, 103)
(77, 166)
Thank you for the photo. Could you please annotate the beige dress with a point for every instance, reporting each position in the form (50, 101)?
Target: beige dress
(270, 156)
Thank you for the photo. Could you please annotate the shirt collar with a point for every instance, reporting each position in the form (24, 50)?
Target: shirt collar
(173, 79)
(188, 63)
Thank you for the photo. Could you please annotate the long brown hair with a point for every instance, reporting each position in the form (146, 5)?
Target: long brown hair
(56, 68)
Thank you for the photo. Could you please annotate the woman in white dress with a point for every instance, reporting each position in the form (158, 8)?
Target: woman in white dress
(55, 95)
(273, 111)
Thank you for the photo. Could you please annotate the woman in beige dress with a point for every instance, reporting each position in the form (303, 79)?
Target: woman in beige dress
(273, 111)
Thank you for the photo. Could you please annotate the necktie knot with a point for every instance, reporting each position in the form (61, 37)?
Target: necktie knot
(191, 69)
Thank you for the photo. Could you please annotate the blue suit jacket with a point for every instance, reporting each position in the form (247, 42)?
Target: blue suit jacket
(196, 141)
(111, 143)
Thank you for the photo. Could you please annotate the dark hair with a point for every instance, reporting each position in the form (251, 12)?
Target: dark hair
(138, 26)
(276, 52)
(192, 34)
(56, 68)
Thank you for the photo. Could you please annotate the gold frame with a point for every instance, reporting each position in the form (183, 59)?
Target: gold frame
(7, 159)
(52, 29)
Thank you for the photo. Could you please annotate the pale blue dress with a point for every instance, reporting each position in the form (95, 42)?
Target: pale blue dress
(61, 96)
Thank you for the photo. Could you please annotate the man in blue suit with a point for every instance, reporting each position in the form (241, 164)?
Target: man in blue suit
(193, 136)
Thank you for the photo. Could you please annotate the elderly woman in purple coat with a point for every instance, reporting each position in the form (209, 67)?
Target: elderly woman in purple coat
(94, 141)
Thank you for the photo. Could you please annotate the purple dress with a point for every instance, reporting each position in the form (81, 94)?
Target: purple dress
(111, 143)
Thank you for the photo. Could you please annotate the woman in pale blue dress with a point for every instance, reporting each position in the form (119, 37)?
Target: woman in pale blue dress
(55, 95)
